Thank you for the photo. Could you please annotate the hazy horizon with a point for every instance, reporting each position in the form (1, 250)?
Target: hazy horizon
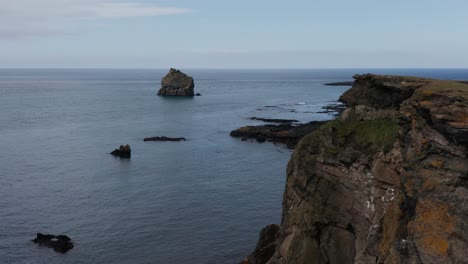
(209, 34)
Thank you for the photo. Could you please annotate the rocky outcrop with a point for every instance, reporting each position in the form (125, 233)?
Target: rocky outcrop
(275, 120)
(164, 139)
(266, 246)
(285, 133)
(339, 84)
(386, 182)
(382, 92)
(176, 83)
(60, 243)
(123, 151)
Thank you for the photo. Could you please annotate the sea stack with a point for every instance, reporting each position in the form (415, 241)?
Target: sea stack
(176, 83)
(123, 151)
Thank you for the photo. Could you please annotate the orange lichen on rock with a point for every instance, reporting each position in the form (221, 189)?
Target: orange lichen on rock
(432, 227)
(427, 92)
(391, 227)
(410, 187)
(438, 163)
(424, 141)
(429, 185)
(425, 103)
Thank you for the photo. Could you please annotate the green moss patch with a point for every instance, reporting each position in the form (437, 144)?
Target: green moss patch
(347, 140)
(368, 135)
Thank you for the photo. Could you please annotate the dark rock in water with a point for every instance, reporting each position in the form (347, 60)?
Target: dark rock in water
(197, 94)
(274, 120)
(60, 243)
(123, 152)
(336, 108)
(176, 83)
(266, 246)
(244, 139)
(339, 84)
(284, 133)
(164, 139)
(261, 138)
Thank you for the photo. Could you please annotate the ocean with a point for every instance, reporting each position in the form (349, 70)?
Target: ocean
(199, 201)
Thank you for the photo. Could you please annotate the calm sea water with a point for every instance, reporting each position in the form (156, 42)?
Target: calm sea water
(200, 201)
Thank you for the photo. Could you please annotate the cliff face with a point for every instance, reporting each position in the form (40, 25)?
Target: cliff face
(386, 182)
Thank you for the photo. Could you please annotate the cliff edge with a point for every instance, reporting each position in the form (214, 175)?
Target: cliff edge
(386, 182)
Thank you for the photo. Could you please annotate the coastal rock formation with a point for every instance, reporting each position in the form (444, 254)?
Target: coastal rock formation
(265, 246)
(339, 84)
(123, 151)
(164, 139)
(275, 120)
(176, 83)
(386, 182)
(284, 133)
(60, 243)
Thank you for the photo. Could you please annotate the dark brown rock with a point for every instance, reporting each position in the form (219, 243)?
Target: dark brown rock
(60, 243)
(381, 91)
(275, 120)
(176, 83)
(123, 151)
(340, 83)
(164, 139)
(284, 133)
(266, 246)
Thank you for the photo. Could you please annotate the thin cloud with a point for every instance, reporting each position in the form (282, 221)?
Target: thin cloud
(33, 17)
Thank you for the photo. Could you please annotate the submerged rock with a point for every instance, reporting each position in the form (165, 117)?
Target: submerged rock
(275, 120)
(164, 139)
(284, 133)
(386, 182)
(123, 151)
(176, 83)
(60, 243)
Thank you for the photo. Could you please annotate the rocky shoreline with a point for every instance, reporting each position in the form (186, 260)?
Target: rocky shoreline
(287, 131)
(385, 182)
(350, 83)
(275, 120)
(284, 133)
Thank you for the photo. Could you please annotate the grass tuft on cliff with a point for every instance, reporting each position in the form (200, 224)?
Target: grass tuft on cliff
(346, 139)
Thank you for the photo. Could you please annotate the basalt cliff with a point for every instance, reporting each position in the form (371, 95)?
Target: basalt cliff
(386, 182)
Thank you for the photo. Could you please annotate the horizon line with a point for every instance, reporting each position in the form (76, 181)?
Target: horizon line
(229, 68)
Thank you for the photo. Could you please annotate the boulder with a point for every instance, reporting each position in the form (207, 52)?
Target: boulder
(60, 243)
(123, 151)
(176, 83)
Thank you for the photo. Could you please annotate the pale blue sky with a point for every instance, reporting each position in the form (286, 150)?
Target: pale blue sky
(234, 34)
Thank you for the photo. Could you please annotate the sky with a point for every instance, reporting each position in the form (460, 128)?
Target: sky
(233, 34)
